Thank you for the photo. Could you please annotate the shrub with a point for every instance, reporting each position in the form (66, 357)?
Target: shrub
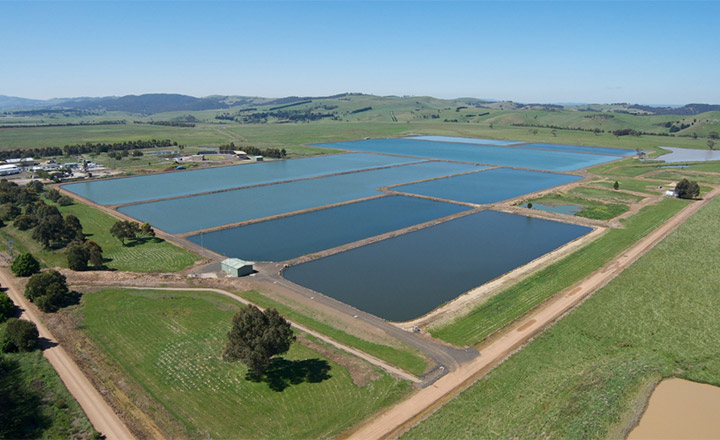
(24, 222)
(77, 257)
(7, 307)
(687, 189)
(65, 201)
(21, 335)
(48, 290)
(25, 265)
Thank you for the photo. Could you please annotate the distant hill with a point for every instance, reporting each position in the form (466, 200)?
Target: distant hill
(686, 110)
(150, 103)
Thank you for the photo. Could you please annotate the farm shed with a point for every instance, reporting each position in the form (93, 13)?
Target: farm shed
(6, 170)
(237, 267)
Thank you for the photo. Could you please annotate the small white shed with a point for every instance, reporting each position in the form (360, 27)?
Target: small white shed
(237, 267)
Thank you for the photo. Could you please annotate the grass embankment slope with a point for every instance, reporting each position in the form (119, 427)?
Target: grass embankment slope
(153, 255)
(589, 375)
(171, 343)
(34, 402)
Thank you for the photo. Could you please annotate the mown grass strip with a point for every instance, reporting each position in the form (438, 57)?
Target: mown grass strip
(408, 359)
(589, 375)
(527, 294)
(171, 344)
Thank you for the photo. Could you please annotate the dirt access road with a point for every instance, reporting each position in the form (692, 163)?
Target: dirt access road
(398, 419)
(98, 411)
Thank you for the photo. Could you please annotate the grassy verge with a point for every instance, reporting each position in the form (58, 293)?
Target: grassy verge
(637, 185)
(408, 359)
(589, 375)
(601, 194)
(171, 343)
(517, 300)
(155, 255)
(35, 403)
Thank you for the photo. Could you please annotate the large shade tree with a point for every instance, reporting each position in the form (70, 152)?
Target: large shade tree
(257, 336)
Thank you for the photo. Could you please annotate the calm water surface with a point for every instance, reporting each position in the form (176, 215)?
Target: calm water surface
(488, 186)
(464, 140)
(209, 210)
(156, 186)
(407, 276)
(291, 237)
(580, 148)
(494, 155)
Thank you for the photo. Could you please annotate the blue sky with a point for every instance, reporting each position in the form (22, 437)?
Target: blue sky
(574, 51)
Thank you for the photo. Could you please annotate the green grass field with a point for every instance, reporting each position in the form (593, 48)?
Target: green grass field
(637, 185)
(154, 255)
(589, 375)
(512, 303)
(404, 356)
(171, 343)
(604, 195)
(35, 402)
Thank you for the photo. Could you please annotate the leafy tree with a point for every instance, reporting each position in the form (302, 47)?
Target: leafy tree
(124, 230)
(53, 195)
(48, 290)
(687, 189)
(714, 135)
(72, 229)
(48, 230)
(616, 185)
(24, 222)
(95, 252)
(146, 230)
(25, 265)
(711, 144)
(256, 336)
(7, 307)
(8, 211)
(77, 256)
(21, 334)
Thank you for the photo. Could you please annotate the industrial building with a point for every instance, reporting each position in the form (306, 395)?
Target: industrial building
(237, 267)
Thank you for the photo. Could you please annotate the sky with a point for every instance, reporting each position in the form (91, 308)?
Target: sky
(648, 52)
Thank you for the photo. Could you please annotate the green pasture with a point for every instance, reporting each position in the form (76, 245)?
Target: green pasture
(636, 185)
(592, 209)
(402, 356)
(604, 195)
(590, 375)
(514, 302)
(171, 344)
(35, 402)
(148, 255)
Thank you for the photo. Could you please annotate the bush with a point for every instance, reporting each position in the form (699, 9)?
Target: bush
(687, 189)
(65, 201)
(48, 290)
(77, 257)
(21, 335)
(25, 265)
(7, 307)
(52, 194)
(24, 222)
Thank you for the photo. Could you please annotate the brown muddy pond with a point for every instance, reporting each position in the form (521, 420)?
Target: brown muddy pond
(680, 409)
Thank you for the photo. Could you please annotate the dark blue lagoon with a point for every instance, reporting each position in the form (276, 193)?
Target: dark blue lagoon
(291, 237)
(408, 276)
(156, 186)
(541, 159)
(580, 148)
(209, 210)
(488, 186)
(463, 140)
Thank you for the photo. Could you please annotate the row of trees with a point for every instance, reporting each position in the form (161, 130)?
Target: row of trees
(86, 148)
(278, 153)
(130, 230)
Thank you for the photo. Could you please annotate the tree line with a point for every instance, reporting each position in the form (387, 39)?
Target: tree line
(86, 148)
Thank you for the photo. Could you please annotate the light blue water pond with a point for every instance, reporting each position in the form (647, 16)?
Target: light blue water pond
(408, 276)
(484, 154)
(689, 155)
(156, 186)
(209, 210)
(291, 237)
(463, 140)
(488, 186)
(580, 148)
(558, 209)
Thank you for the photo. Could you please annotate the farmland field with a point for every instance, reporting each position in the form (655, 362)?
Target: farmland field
(171, 344)
(589, 375)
